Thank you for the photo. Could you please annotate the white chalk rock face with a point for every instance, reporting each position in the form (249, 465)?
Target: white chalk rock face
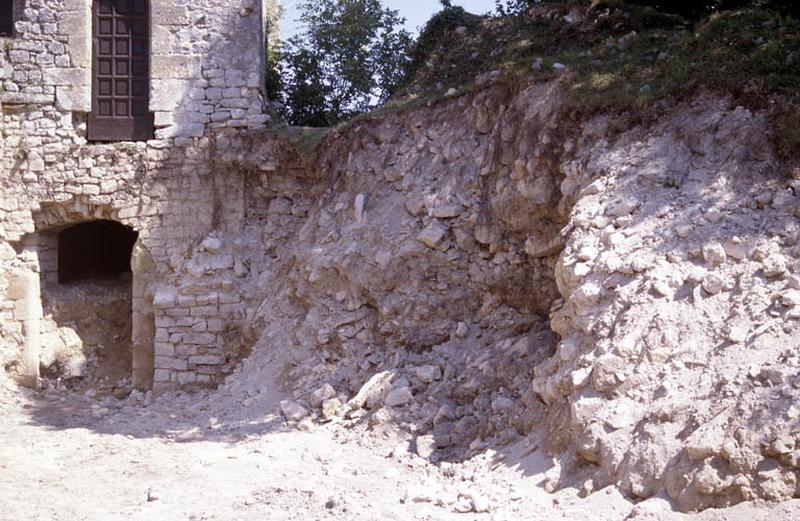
(681, 342)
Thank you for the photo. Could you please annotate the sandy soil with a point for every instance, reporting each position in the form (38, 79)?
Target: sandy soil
(185, 457)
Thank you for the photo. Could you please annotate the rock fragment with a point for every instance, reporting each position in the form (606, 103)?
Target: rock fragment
(398, 397)
(433, 235)
(359, 207)
(371, 393)
(713, 284)
(320, 395)
(714, 254)
(774, 265)
(212, 245)
(790, 298)
(331, 408)
(429, 373)
(684, 230)
(502, 404)
(462, 330)
(425, 446)
(448, 211)
(292, 410)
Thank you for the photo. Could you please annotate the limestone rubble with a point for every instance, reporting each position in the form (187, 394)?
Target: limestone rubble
(630, 302)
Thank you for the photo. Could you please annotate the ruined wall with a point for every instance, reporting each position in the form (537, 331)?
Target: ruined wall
(206, 64)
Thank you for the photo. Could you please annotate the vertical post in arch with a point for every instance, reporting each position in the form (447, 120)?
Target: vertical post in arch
(143, 320)
(29, 311)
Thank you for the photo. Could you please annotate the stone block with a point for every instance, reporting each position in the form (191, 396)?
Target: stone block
(16, 286)
(205, 311)
(205, 360)
(432, 235)
(186, 350)
(164, 349)
(166, 362)
(27, 309)
(166, 94)
(169, 14)
(200, 327)
(186, 300)
(165, 297)
(187, 378)
(184, 67)
(72, 77)
(162, 39)
(188, 130)
(215, 325)
(201, 339)
(75, 20)
(26, 98)
(163, 119)
(229, 310)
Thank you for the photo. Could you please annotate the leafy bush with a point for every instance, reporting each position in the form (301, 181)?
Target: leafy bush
(436, 31)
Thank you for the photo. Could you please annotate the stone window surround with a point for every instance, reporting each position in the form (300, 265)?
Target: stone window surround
(170, 73)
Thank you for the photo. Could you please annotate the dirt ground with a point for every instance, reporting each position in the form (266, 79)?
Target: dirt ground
(186, 457)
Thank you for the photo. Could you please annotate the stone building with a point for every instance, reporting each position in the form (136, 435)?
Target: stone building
(113, 115)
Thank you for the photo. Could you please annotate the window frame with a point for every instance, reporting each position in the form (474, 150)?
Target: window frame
(135, 126)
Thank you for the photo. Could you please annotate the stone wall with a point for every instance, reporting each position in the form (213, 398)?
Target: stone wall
(206, 89)
(206, 65)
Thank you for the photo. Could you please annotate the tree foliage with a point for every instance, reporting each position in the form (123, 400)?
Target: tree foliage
(350, 56)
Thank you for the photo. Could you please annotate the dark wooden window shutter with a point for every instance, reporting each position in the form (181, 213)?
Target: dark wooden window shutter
(120, 71)
(6, 17)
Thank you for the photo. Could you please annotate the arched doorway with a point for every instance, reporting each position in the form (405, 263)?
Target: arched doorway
(92, 269)
(120, 71)
(87, 298)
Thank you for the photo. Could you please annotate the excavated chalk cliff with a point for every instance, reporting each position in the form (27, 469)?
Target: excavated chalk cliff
(486, 268)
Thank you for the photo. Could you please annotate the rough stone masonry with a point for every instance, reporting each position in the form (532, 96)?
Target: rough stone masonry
(205, 87)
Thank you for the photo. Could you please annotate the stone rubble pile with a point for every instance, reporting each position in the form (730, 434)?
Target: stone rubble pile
(485, 269)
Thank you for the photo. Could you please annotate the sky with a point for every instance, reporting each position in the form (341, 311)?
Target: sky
(416, 12)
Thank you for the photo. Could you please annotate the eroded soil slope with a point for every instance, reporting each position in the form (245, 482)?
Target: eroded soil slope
(451, 242)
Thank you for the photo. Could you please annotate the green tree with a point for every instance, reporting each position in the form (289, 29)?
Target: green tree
(273, 79)
(350, 56)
